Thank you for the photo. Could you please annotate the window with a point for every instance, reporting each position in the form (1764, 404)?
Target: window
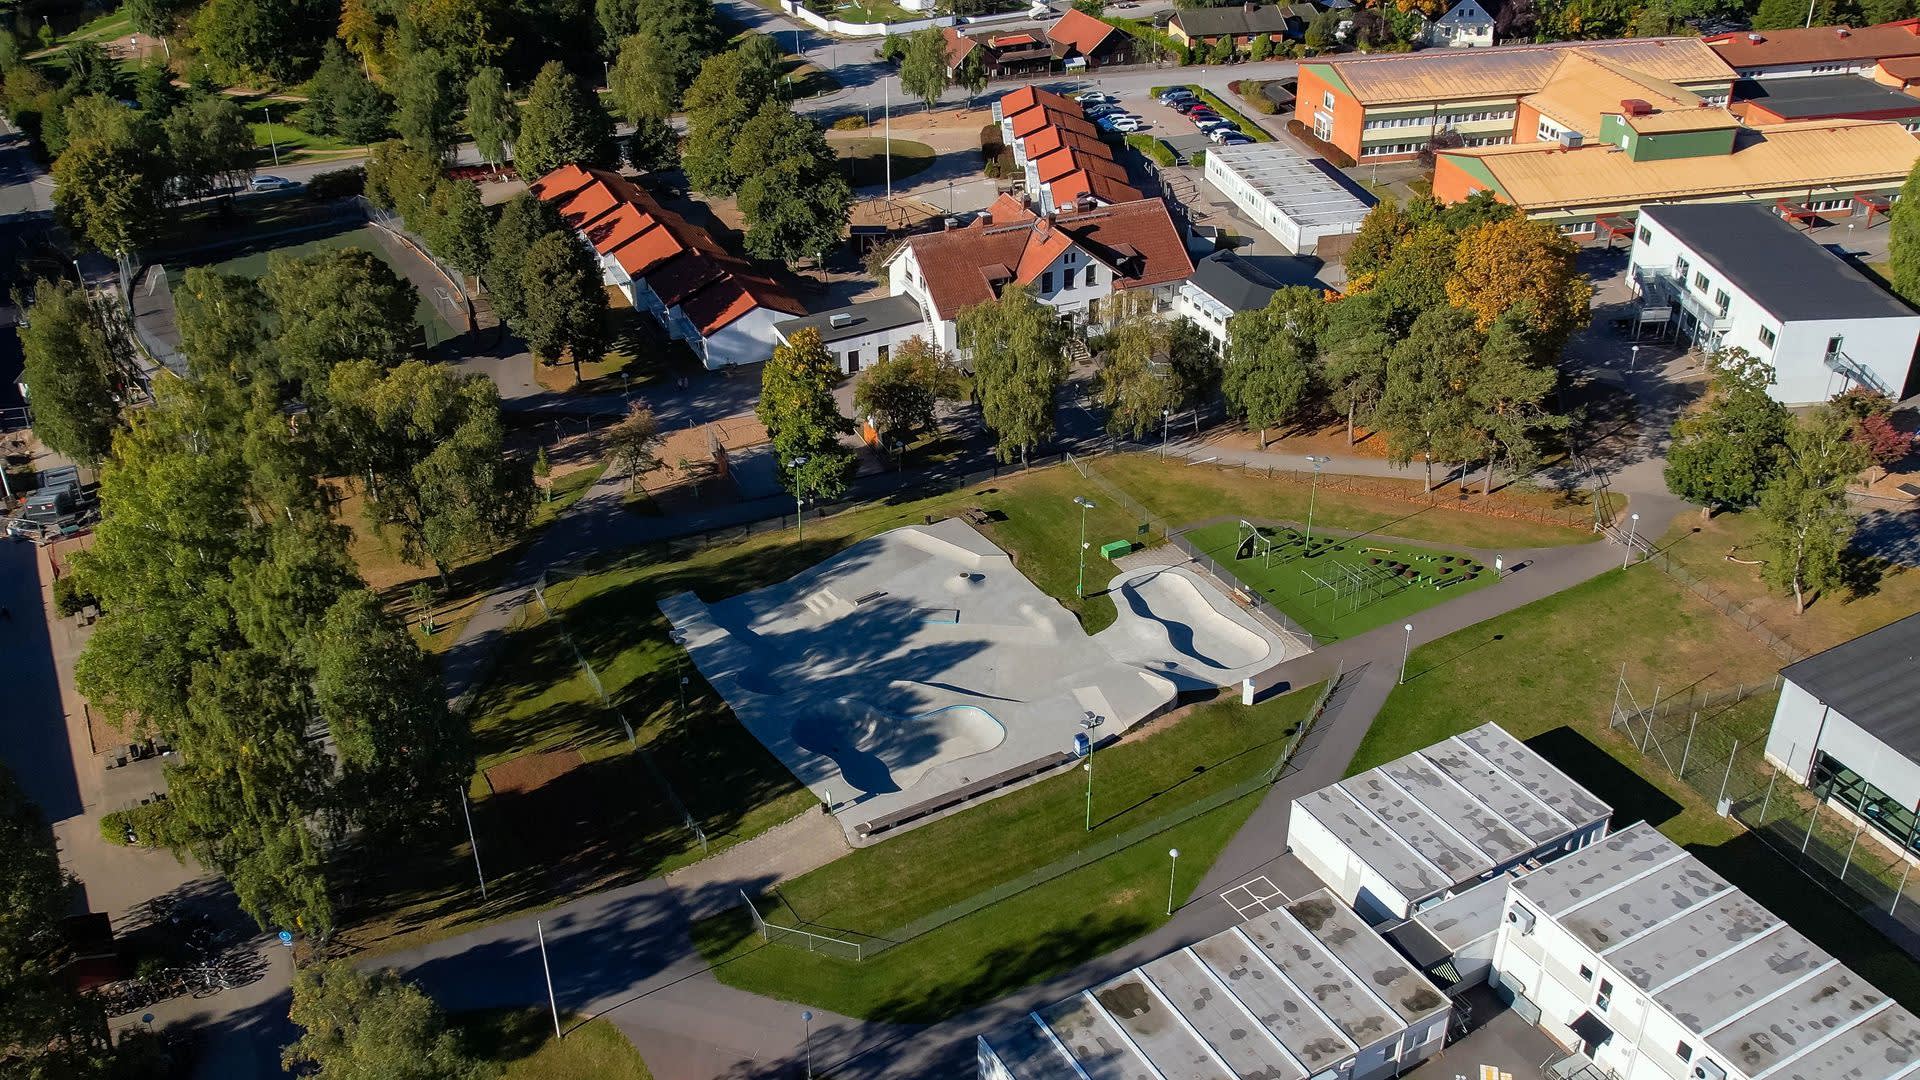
(1326, 99)
(1586, 973)
(1605, 997)
(1046, 282)
(1680, 267)
(1684, 1052)
(1768, 337)
(1700, 281)
(1093, 276)
(1646, 235)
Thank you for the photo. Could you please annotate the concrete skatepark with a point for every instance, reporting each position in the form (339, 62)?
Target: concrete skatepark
(921, 661)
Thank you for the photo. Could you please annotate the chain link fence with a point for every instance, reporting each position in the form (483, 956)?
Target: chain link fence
(1706, 740)
(1782, 645)
(860, 947)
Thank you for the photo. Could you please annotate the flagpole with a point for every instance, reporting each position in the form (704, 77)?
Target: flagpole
(886, 122)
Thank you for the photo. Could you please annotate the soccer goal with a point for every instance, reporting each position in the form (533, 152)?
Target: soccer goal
(1254, 541)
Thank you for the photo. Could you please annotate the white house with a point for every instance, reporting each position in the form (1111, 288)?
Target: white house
(1064, 160)
(1304, 990)
(1223, 284)
(1848, 725)
(1467, 24)
(863, 333)
(1074, 262)
(1655, 968)
(1736, 275)
(1299, 201)
(1409, 834)
(715, 301)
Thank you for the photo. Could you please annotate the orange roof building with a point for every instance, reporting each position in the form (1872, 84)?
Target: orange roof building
(717, 302)
(1082, 42)
(1067, 164)
(1816, 50)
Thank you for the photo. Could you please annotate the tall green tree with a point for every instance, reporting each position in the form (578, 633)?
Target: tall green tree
(1903, 240)
(1018, 350)
(108, 196)
(1723, 455)
(688, 32)
(972, 74)
(492, 118)
(728, 92)
(1510, 388)
(631, 443)
(802, 418)
(426, 100)
(563, 303)
(334, 306)
(254, 41)
(401, 179)
(900, 392)
(1353, 358)
(209, 146)
(1414, 278)
(642, 82)
(1424, 410)
(1149, 366)
(654, 145)
(70, 373)
(923, 68)
(1272, 357)
(223, 327)
(562, 122)
(458, 225)
(522, 222)
(343, 102)
(360, 1026)
(1808, 523)
(792, 194)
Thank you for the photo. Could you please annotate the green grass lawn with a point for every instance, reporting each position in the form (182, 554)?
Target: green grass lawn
(1376, 593)
(520, 1044)
(1546, 673)
(875, 891)
(865, 159)
(113, 24)
(1227, 112)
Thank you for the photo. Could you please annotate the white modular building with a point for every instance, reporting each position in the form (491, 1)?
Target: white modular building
(863, 333)
(1296, 200)
(1302, 992)
(1223, 285)
(1409, 834)
(1656, 968)
(1737, 275)
(1848, 726)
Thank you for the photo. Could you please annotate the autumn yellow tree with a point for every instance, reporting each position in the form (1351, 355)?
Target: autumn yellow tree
(1498, 264)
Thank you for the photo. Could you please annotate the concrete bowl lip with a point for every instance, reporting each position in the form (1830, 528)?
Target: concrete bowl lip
(846, 715)
(1198, 591)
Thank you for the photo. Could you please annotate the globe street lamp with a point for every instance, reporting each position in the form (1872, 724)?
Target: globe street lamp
(806, 1019)
(799, 500)
(1405, 653)
(1173, 868)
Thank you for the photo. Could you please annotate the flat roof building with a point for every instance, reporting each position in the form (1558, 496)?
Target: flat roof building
(1400, 837)
(1656, 967)
(1848, 725)
(1795, 52)
(862, 333)
(1823, 97)
(1298, 201)
(1303, 991)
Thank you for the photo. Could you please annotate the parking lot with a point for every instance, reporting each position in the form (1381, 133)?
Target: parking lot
(1163, 122)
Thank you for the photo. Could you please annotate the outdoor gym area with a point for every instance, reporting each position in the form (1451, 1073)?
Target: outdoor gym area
(1334, 583)
(919, 670)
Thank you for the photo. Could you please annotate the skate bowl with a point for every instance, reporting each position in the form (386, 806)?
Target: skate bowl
(877, 753)
(1164, 614)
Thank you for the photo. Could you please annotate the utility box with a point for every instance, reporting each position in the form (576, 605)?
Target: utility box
(1116, 549)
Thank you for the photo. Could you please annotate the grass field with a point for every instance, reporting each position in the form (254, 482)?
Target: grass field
(1378, 592)
(1546, 673)
(865, 158)
(253, 264)
(520, 1044)
(877, 890)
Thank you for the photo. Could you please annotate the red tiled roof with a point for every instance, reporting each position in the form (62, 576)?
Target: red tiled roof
(1079, 31)
(1026, 97)
(682, 263)
(1902, 67)
(1007, 41)
(1137, 240)
(958, 46)
(1817, 44)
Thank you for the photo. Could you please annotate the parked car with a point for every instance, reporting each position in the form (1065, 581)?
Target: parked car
(1222, 134)
(1233, 138)
(1095, 97)
(1211, 123)
(270, 183)
(1177, 94)
(1095, 112)
(1130, 124)
(1189, 104)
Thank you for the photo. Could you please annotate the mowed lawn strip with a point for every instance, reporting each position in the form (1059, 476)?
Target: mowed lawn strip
(1546, 673)
(1384, 596)
(520, 1043)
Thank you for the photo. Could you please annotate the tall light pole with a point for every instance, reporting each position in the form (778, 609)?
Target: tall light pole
(1166, 426)
(806, 1020)
(1405, 653)
(272, 143)
(799, 500)
(1633, 530)
(552, 1002)
(1633, 360)
(1173, 868)
(1313, 492)
(1088, 766)
(1085, 504)
(472, 844)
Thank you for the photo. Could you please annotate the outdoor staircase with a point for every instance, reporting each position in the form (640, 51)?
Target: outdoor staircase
(1077, 352)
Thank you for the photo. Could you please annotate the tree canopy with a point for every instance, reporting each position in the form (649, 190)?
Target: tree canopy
(360, 1026)
(1808, 523)
(73, 379)
(1725, 454)
(802, 419)
(1272, 358)
(562, 122)
(792, 194)
(1018, 351)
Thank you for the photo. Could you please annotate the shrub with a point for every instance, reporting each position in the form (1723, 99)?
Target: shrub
(1252, 91)
(1197, 159)
(849, 123)
(1160, 152)
(147, 825)
(69, 596)
(337, 184)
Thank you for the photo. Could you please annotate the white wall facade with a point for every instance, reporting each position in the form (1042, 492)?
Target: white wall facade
(1200, 308)
(1296, 236)
(748, 339)
(1723, 316)
(1825, 67)
(1803, 726)
(1347, 874)
(905, 278)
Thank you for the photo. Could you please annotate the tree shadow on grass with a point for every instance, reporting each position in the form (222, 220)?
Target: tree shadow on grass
(1632, 797)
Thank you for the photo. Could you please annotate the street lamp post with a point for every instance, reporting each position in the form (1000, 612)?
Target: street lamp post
(1314, 491)
(1166, 429)
(799, 500)
(1085, 504)
(1173, 869)
(1633, 360)
(272, 143)
(1405, 653)
(806, 1020)
(1633, 531)
(1088, 766)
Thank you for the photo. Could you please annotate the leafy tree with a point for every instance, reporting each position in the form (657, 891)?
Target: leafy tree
(334, 306)
(1502, 264)
(1480, 208)
(153, 89)
(972, 74)
(687, 31)
(155, 18)
(1725, 454)
(1017, 346)
(923, 67)
(728, 92)
(1095, 8)
(210, 145)
(223, 328)
(432, 443)
(1320, 32)
(642, 83)
(522, 222)
(562, 122)
(1808, 523)
(1271, 353)
(458, 225)
(1904, 240)
(802, 418)
(1779, 15)
(360, 1026)
(401, 179)
(1383, 228)
(899, 393)
(892, 48)
(1261, 49)
(1884, 444)
(250, 41)
(631, 442)
(1414, 279)
(1509, 389)
(108, 196)
(1424, 409)
(1149, 366)
(403, 758)
(1222, 51)
(69, 372)
(654, 145)
(492, 119)
(563, 304)
(792, 195)
(343, 102)
(426, 103)
(89, 69)
(1353, 358)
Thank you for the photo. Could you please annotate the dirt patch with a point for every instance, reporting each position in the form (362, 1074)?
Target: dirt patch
(704, 450)
(532, 772)
(1331, 439)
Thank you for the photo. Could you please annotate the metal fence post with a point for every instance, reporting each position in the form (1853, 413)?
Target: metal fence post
(1726, 776)
(1811, 818)
(1901, 891)
(1768, 801)
(1688, 749)
(1851, 844)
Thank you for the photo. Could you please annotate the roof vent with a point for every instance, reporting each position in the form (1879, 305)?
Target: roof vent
(1635, 107)
(1842, 31)
(1571, 140)
(1251, 7)
(840, 320)
(1756, 38)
